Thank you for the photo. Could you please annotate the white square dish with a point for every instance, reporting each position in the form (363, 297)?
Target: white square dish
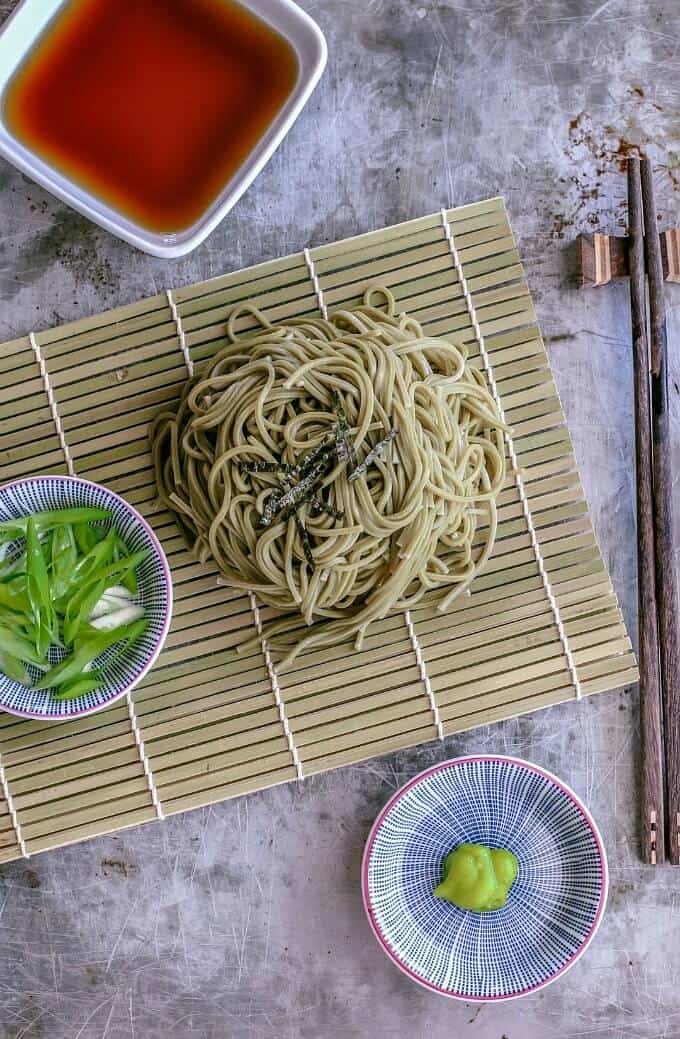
(27, 24)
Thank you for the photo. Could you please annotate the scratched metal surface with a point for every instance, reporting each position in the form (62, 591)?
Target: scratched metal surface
(244, 920)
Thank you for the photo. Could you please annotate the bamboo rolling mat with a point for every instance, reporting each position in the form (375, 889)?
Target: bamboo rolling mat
(541, 626)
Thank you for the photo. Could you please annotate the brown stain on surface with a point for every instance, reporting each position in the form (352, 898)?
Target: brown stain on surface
(119, 866)
(94, 974)
(564, 337)
(607, 147)
(600, 151)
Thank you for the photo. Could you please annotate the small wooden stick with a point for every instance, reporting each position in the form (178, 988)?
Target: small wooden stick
(666, 585)
(651, 737)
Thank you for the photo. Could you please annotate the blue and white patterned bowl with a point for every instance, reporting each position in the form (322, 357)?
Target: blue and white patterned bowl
(25, 497)
(554, 907)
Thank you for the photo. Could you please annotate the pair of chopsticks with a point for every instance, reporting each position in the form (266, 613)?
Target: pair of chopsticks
(659, 627)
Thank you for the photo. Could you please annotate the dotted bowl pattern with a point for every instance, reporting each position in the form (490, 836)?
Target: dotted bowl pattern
(121, 671)
(554, 906)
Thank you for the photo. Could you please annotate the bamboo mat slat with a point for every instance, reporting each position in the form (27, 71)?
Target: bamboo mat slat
(208, 720)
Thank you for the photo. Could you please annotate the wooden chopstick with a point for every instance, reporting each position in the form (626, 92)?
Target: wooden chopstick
(666, 584)
(651, 737)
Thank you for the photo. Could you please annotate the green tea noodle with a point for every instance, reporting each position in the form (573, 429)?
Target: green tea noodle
(416, 515)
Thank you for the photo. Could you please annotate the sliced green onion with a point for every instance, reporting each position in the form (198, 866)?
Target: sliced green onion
(65, 583)
(54, 518)
(78, 687)
(18, 646)
(14, 668)
(86, 652)
(118, 618)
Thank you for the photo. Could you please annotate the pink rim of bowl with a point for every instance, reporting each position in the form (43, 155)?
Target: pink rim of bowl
(158, 548)
(588, 819)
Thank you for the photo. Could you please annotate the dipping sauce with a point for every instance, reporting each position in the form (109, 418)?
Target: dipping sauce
(151, 105)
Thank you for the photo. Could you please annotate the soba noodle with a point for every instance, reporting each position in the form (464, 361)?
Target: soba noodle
(338, 469)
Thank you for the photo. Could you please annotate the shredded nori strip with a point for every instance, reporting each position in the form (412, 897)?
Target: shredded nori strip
(289, 501)
(286, 501)
(301, 469)
(270, 509)
(317, 507)
(326, 447)
(370, 458)
(303, 491)
(306, 543)
(343, 449)
(267, 467)
(344, 446)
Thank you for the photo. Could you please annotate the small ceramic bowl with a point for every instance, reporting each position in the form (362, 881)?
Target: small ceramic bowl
(21, 32)
(554, 907)
(25, 497)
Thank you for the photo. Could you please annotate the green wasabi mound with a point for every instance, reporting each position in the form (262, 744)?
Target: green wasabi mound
(477, 878)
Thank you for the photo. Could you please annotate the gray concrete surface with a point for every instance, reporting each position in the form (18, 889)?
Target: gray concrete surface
(244, 921)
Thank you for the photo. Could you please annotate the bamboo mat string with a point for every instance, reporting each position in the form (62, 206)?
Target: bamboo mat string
(273, 678)
(141, 750)
(180, 332)
(486, 360)
(12, 811)
(410, 626)
(146, 765)
(317, 284)
(72, 472)
(424, 675)
(52, 402)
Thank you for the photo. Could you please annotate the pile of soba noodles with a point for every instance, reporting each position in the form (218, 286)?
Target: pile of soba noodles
(338, 469)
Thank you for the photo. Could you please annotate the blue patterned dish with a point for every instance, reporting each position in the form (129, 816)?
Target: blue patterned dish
(26, 497)
(554, 907)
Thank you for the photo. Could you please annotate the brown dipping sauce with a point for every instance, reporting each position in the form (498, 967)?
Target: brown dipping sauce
(151, 105)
